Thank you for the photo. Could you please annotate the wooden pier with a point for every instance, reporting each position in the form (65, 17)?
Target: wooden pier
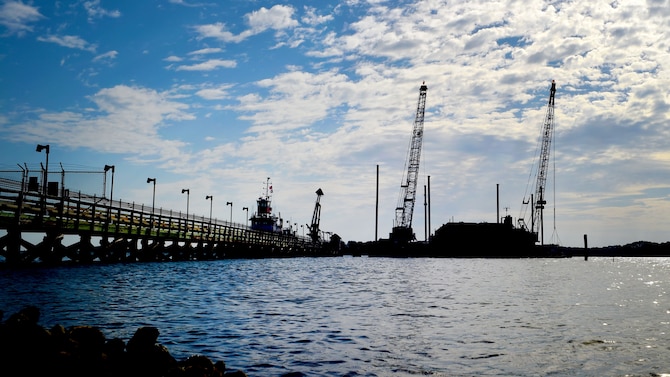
(116, 232)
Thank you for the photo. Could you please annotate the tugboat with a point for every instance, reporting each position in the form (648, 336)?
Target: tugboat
(263, 219)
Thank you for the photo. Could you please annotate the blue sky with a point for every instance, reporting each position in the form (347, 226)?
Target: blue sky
(216, 96)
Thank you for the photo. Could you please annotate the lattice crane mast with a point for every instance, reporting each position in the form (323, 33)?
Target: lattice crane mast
(537, 221)
(402, 229)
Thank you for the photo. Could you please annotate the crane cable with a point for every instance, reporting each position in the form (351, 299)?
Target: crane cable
(532, 178)
(554, 236)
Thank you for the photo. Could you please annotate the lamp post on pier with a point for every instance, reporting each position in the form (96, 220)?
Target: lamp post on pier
(111, 191)
(188, 194)
(247, 210)
(211, 200)
(231, 210)
(45, 177)
(153, 200)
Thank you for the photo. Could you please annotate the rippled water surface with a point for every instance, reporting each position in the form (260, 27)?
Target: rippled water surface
(376, 316)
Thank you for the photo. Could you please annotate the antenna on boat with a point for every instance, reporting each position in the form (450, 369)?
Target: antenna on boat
(268, 188)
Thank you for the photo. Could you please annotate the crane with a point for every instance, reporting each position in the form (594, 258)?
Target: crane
(402, 228)
(316, 218)
(537, 216)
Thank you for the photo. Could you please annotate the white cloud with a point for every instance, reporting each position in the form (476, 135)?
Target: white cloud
(278, 17)
(17, 17)
(184, 3)
(70, 41)
(205, 51)
(314, 95)
(107, 56)
(312, 18)
(217, 93)
(218, 31)
(94, 10)
(126, 120)
(208, 65)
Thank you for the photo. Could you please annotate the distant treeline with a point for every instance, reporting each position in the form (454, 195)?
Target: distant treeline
(635, 249)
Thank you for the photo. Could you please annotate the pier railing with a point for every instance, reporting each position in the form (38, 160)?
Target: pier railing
(89, 216)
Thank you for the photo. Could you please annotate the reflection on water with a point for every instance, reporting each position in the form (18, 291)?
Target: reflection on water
(376, 316)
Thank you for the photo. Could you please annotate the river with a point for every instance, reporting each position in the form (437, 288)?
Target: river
(360, 316)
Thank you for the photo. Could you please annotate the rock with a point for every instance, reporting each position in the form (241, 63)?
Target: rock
(88, 341)
(27, 350)
(144, 340)
(198, 365)
(147, 358)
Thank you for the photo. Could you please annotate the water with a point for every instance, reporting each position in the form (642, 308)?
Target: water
(376, 316)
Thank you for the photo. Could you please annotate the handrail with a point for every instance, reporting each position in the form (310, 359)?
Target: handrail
(76, 213)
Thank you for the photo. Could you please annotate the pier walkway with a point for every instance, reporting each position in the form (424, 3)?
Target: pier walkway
(116, 231)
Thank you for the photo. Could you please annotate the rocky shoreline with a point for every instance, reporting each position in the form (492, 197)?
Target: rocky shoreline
(28, 349)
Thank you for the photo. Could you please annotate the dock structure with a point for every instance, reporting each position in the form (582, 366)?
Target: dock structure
(115, 231)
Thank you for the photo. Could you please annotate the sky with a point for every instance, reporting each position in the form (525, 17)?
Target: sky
(218, 96)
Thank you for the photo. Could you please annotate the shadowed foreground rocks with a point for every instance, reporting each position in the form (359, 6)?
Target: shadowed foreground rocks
(27, 349)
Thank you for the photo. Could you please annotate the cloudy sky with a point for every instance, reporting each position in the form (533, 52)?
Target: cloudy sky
(217, 96)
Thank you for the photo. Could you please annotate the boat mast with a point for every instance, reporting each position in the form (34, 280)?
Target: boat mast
(267, 188)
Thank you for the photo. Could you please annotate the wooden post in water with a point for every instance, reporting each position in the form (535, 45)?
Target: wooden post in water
(586, 248)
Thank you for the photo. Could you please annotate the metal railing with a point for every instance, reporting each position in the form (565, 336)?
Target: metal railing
(74, 213)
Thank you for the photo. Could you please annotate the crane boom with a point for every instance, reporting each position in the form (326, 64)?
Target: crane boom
(547, 133)
(537, 221)
(402, 230)
(316, 218)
